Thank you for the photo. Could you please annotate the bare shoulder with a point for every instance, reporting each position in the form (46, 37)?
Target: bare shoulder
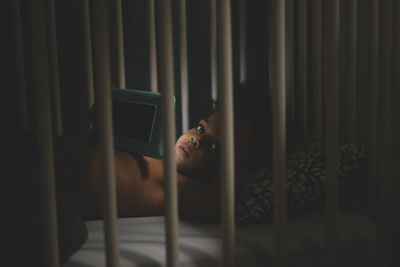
(136, 195)
(155, 168)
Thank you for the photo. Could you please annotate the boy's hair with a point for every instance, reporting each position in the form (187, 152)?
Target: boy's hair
(253, 104)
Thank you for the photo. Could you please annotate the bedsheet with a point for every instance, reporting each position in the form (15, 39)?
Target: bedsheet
(141, 243)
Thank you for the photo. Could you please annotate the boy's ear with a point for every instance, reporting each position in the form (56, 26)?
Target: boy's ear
(244, 125)
(243, 131)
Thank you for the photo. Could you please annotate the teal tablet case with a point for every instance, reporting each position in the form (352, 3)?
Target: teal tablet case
(137, 122)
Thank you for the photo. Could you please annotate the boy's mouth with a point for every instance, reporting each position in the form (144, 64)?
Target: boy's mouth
(185, 149)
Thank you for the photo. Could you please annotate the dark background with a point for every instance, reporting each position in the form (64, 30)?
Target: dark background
(19, 179)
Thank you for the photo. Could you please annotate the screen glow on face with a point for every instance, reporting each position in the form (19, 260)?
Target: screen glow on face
(133, 120)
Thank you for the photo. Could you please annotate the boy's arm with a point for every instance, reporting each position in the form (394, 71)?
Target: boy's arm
(200, 202)
(136, 196)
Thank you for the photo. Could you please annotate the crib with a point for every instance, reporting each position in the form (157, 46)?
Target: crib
(332, 68)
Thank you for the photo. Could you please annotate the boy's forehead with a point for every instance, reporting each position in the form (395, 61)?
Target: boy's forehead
(213, 123)
(213, 118)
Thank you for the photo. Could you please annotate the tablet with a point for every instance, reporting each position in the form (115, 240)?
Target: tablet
(137, 122)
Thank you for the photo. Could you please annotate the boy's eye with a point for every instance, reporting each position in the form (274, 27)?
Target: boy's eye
(213, 146)
(200, 128)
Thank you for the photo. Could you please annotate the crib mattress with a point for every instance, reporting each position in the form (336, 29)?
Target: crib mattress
(142, 240)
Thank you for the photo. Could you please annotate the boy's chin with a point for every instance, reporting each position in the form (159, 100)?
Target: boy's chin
(184, 173)
(187, 171)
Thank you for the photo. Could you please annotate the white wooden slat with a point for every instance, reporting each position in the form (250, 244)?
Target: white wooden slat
(396, 132)
(213, 44)
(351, 115)
(331, 85)
(167, 90)
(302, 68)
(279, 130)
(385, 134)
(54, 70)
(41, 87)
(373, 103)
(20, 65)
(87, 48)
(317, 67)
(227, 156)
(102, 84)
(290, 59)
(152, 47)
(119, 43)
(184, 66)
(243, 40)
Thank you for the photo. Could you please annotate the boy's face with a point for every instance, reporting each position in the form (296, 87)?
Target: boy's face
(197, 150)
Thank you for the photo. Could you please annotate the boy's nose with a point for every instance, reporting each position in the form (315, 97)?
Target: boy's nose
(194, 141)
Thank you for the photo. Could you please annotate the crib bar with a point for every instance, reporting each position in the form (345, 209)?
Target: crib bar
(184, 66)
(290, 59)
(351, 114)
(41, 86)
(227, 156)
(303, 66)
(167, 89)
(317, 67)
(332, 132)
(152, 47)
(243, 40)
(53, 68)
(352, 82)
(213, 43)
(384, 135)
(373, 103)
(396, 129)
(279, 126)
(102, 83)
(87, 47)
(20, 67)
(117, 6)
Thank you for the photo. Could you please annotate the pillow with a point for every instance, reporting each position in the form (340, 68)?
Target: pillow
(306, 173)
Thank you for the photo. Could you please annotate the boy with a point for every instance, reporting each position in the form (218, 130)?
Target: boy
(139, 180)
